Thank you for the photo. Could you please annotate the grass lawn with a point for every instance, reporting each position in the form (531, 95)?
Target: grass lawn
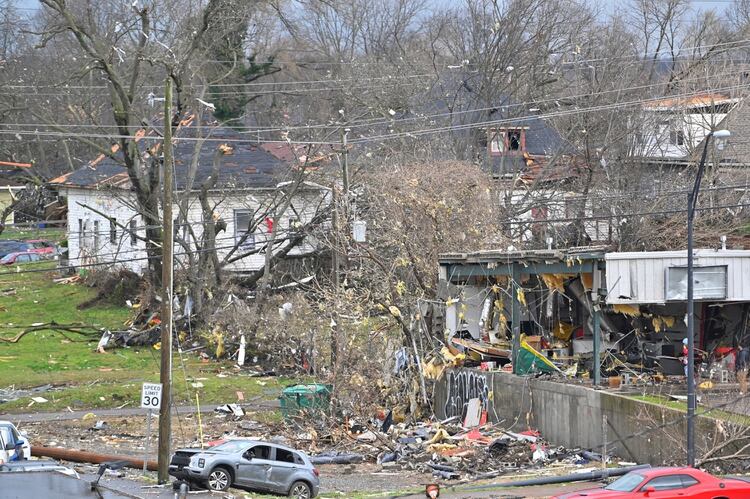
(701, 410)
(54, 234)
(92, 380)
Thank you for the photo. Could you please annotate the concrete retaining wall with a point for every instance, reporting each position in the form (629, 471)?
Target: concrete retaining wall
(571, 415)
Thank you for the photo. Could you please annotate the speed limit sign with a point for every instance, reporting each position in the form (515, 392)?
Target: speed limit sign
(151, 396)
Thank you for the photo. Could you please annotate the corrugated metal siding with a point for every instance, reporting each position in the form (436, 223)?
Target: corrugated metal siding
(641, 277)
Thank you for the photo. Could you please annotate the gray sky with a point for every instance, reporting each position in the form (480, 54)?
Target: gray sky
(609, 6)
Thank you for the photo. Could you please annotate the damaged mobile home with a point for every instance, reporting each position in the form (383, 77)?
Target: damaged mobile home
(594, 313)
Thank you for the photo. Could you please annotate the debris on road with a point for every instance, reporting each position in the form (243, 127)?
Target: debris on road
(233, 409)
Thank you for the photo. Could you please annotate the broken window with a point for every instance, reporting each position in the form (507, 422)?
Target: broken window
(284, 455)
(133, 234)
(497, 141)
(514, 140)
(243, 234)
(259, 452)
(113, 230)
(294, 225)
(708, 283)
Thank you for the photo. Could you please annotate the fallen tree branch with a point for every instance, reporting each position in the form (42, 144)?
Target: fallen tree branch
(82, 329)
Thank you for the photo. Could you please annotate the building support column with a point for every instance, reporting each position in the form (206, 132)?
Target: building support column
(516, 315)
(596, 319)
(597, 346)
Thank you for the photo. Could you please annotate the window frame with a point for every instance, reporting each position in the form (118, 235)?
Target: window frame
(499, 140)
(285, 451)
(249, 243)
(113, 231)
(699, 292)
(520, 143)
(133, 232)
(271, 454)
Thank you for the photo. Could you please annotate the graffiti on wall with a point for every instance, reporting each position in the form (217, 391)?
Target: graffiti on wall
(462, 386)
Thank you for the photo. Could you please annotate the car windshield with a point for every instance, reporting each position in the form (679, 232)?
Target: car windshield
(231, 446)
(7, 258)
(627, 483)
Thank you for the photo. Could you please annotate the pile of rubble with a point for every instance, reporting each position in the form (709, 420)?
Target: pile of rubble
(446, 449)
(450, 451)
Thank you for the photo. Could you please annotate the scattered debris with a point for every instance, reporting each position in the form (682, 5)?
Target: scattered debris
(233, 409)
(100, 425)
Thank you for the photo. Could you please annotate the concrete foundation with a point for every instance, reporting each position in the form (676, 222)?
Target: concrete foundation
(573, 415)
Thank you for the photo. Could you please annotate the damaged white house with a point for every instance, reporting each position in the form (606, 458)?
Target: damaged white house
(105, 227)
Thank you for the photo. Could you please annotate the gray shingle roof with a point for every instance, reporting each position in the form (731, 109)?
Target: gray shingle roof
(247, 167)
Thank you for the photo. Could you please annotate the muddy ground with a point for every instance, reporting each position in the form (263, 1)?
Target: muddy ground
(125, 435)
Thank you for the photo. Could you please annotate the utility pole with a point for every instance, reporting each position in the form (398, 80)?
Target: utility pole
(335, 257)
(719, 135)
(167, 247)
(335, 276)
(345, 167)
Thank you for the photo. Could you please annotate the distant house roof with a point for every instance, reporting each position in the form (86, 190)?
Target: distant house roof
(13, 173)
(543, 143)
(247, 166)
(695, 101)
(454, 96)
(301, 154)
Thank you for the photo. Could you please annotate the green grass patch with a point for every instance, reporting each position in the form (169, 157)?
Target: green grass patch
(85, 379)
(701, 410)
(53, 234)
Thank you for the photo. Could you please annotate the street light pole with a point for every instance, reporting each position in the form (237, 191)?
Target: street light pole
(692, 201)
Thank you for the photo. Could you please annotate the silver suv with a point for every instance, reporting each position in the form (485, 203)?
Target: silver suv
(250, 464)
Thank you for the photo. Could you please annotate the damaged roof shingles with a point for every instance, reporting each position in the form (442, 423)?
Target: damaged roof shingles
(246, 167)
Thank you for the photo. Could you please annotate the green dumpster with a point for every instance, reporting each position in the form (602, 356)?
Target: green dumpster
(304, 398)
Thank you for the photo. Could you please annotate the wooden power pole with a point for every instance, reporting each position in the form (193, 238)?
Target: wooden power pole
(167, 246)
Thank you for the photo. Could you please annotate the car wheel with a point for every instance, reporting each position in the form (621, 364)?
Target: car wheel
(300, 490)
(220, 479)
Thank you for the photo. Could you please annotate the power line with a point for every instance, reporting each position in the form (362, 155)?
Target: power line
(572, 112)
(383, 137)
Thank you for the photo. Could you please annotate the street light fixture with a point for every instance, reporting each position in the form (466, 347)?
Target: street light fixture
(719, 137)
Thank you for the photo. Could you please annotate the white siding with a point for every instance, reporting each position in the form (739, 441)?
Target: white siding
(641, 277)
(659, 126)
(83, 250)
(81, 245)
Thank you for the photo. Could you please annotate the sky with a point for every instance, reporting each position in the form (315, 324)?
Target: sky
(608, 5)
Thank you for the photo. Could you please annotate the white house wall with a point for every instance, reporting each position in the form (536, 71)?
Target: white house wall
(87, 248)
(656, 138)
(640, 277)
(84, 249)
(555, 203)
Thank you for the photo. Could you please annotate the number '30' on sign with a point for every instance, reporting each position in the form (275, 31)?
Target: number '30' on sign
(151, 396)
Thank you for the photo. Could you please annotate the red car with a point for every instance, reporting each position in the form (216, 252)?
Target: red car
(21, 257)
(668, 483)
(40, 246)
